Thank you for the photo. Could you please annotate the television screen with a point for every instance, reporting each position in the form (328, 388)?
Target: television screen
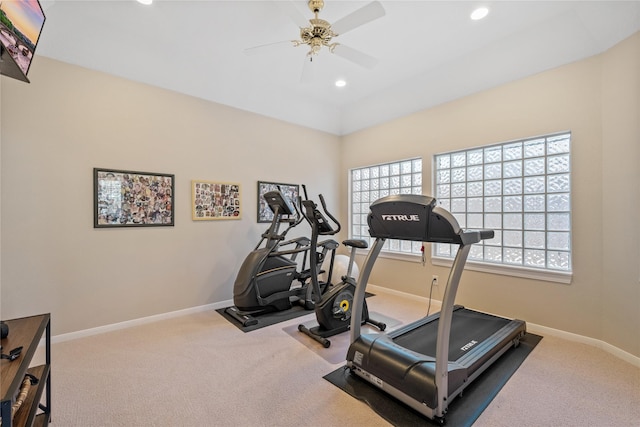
(21, 23)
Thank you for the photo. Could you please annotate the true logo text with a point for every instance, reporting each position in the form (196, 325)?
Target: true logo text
(400, 218)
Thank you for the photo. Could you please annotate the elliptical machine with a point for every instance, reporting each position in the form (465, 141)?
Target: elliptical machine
(334, 307)
(265, 281)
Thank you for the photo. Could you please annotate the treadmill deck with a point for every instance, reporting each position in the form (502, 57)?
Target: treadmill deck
(403, 361)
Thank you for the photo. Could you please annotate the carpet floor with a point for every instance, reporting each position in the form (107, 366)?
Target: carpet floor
(200, 370)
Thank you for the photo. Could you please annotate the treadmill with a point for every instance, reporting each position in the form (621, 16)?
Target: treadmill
(429, 362)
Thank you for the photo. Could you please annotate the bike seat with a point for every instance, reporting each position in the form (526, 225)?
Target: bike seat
(356, 243)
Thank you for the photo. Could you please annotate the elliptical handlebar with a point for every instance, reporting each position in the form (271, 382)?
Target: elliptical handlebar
(319, 226)
(315, 217)
(333, 218)
(298, 212)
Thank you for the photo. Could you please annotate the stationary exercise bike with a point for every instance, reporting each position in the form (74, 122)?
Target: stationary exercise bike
(265, 281)
(334, 307)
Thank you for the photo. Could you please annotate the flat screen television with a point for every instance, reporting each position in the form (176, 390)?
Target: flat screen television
(21, 23)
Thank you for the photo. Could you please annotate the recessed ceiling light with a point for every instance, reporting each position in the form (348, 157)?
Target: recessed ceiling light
(341, 83)
(479, 13)
(145, 2)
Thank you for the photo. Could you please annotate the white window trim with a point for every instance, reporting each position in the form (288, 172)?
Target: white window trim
(483, 267)
(507, 270)
(401, 256)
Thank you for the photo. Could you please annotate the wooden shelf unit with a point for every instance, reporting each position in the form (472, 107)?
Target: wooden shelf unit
(26, 332)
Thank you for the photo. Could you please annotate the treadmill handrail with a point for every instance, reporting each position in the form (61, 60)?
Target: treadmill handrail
(444, 328)
(359, 294)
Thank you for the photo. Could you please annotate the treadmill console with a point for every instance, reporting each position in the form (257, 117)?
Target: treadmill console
(417, 218)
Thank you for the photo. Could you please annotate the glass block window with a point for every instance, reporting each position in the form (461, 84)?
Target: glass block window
(368, 184)
(521, 190)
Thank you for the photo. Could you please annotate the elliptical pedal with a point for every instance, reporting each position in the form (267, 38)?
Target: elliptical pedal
(244, 319)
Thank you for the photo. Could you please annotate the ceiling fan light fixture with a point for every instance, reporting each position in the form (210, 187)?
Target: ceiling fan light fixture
(317, 34)
(479, 13)
(341, 83)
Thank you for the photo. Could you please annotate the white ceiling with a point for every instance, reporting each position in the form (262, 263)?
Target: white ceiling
(429, 52)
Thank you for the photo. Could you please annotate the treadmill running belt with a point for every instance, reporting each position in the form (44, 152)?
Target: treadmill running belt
(466, 326)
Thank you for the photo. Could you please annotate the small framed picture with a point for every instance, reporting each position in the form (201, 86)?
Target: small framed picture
(212, 200)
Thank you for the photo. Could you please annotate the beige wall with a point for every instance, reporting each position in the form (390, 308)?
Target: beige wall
(621, 195)
(597, 100)
(70, 120)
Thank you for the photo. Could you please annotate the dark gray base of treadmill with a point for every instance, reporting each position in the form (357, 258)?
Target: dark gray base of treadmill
(272, 318)
(463, 411)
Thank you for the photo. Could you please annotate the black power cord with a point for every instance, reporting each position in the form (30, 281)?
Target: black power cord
(433, 283)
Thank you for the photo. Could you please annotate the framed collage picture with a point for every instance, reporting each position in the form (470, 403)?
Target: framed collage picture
(215, 200)
(132, 199)
(290, 191)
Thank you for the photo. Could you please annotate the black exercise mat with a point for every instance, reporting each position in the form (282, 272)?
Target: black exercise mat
(268, 319)
(463, 411)
(272, 318)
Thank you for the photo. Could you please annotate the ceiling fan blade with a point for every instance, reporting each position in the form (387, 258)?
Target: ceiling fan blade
(308, 70)
(266, 48)
(367, 13)
(355, 56)
(296, 16)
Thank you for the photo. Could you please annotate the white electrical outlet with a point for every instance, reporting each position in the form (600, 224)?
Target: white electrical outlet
(434, 280)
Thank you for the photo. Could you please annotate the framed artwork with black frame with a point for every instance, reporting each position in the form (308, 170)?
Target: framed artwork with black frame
(290, 191)
(214, 200)
(124, 198)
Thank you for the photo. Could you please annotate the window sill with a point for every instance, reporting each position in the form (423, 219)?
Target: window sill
(507, 270)
(401, 256)
(504, 270)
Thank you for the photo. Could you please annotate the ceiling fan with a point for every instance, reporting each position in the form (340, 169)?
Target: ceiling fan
(316, 33)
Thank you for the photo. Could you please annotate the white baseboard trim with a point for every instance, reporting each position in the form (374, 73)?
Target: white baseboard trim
(569, 336)
(538, 329)
(376, 288)
(135, 322)
(531, 327)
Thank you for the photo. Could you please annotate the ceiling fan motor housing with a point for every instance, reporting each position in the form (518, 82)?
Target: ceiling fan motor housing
(318, 34)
